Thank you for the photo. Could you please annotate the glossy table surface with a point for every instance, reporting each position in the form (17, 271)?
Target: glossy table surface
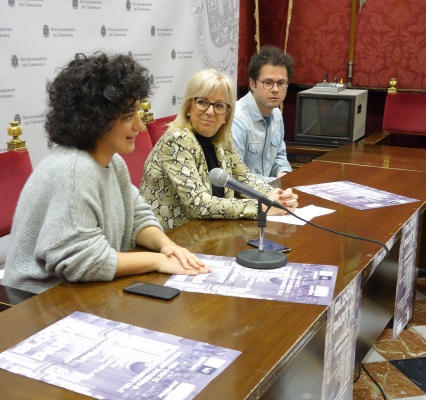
(268, 333)
(408, 158)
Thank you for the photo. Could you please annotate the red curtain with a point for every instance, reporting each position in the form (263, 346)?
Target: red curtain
(272, 28)
(246, 42)
(273, 22)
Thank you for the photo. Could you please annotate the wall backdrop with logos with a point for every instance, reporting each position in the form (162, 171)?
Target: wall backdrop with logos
(173, 39)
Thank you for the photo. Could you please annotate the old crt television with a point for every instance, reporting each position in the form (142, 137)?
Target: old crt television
(330, 118)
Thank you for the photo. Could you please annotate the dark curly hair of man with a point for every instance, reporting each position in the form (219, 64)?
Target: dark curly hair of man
(89, 94)
(270, 55)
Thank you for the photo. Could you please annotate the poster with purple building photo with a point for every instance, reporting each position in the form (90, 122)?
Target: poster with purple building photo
(342, 330)
(111, 360)
(355, 195)
(295, 283)
(406, 275)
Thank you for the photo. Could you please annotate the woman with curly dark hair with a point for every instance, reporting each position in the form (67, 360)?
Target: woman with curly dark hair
(78, 213)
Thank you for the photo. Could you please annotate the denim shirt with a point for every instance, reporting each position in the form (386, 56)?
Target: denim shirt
(262, 148)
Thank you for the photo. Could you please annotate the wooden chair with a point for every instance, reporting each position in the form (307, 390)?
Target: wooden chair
(136, 160)
(404, 121)
(15, 168)
(157, 127)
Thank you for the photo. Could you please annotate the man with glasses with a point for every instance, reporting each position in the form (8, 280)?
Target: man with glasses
(258, 126)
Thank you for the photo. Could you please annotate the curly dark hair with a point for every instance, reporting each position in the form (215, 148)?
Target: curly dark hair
(270, 55)
(89, 94)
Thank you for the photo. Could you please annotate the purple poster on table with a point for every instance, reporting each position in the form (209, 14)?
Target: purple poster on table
(340, 341)
(295, 283)
(406, 272)
(111, 360)
(355, 195)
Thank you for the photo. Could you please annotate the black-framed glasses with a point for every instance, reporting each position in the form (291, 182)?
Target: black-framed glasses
(219, 107)
(269, 84)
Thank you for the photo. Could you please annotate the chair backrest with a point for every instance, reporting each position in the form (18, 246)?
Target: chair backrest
(157, 127)
(136, 160)
(15, 168)
(405, 113)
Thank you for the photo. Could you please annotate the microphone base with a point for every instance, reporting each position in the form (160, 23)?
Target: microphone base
(261, 259)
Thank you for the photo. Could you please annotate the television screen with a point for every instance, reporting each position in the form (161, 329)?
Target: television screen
(330, 118)
(325, 117)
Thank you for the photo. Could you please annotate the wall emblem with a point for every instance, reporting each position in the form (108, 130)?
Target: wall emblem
(11, 3)
(128, 5)
(46, 31)
(152, 30)
(14, 61)
(174, 100)
(217, 25)
(173, 54)
(103, 31)
(75, 4)
(17, 118)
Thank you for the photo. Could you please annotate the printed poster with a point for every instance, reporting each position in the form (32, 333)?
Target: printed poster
(406, 275)
(296, 283)
(340, 342)
(355, 195)
(111, 360)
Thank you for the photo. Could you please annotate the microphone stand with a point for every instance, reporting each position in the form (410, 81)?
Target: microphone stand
(260, 258)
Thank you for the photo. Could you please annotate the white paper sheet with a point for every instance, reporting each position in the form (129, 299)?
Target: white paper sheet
(306, 213)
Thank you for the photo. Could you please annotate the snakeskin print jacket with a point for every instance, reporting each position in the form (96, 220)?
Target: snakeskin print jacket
(175, 182)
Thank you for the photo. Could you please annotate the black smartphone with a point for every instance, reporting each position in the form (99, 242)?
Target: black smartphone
(269, 245)
(151, 290)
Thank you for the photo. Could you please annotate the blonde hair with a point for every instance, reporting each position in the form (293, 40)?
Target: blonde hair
(202, 84)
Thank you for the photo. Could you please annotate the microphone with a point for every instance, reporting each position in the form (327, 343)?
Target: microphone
(258, 259)
(221, 178)
(249, 258)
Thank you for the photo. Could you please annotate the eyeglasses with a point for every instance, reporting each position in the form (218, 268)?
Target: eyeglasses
(268, 84)
(219, 107)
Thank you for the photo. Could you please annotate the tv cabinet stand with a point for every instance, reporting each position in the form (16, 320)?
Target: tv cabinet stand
(299, 153)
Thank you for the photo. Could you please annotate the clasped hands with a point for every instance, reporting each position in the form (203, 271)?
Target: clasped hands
(285, 197)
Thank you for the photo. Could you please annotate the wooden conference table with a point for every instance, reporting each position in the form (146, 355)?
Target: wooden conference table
(389, 157)
(282, 344)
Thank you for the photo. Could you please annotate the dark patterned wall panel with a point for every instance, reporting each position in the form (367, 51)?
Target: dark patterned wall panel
(318, 40)
(390, 41)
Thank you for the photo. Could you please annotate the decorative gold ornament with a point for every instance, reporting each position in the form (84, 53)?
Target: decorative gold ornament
(144, 113)
(15, 130)
(392, 83)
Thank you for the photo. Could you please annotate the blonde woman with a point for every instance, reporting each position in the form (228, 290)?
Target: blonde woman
(175, 181)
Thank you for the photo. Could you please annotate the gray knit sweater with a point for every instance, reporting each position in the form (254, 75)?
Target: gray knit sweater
(72, 217)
